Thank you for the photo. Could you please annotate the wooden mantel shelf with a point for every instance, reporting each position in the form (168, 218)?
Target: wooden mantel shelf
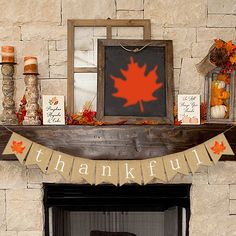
(119, 142)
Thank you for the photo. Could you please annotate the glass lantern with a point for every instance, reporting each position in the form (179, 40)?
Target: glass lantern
(220, 96)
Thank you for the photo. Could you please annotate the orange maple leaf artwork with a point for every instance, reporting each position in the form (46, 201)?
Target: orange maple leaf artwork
(137, 87)
(17, 147)
(218, 147)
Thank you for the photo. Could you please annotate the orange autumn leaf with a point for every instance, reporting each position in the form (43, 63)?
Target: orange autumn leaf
(147, 122)
(17, 147)
(138, 86)
(230, 47)
(233, 59)
(218, 147)
(219, 43)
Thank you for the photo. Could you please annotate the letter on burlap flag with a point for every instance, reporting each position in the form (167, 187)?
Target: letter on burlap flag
(130, 172)
(153, 169)
(107, 172)
(40, 156)
(19, 146)
(217, 147)
(83, 171)
(196, 157)
(61, 163)
(175, 163)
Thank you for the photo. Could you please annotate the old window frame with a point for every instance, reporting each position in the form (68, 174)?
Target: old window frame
(108, 24)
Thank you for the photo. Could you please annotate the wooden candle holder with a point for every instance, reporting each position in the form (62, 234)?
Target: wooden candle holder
(8, 116)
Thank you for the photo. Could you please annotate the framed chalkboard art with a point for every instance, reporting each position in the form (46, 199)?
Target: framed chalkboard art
(135, 81)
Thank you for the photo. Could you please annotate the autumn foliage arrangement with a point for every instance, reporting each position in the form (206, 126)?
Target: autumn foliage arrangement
(224, 55)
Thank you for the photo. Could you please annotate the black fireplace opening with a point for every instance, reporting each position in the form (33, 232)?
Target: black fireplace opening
(107, 210)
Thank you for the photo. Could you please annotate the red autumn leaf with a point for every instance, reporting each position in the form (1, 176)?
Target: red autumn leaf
(218, 147)
(177, 122)
(17, 147)
(89, 115)
(137, 87)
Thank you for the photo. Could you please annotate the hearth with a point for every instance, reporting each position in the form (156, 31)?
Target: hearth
(106, 210)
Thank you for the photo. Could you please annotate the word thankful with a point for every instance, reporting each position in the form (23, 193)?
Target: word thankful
(82, 170)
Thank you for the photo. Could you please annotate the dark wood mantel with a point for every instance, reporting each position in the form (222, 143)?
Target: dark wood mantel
(119, 142)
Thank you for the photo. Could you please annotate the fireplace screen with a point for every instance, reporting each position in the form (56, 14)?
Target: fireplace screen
(81, 210)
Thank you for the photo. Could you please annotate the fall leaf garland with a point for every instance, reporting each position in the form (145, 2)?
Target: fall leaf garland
(224, 55)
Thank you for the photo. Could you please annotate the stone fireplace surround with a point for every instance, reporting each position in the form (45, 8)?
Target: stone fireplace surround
(213, 189)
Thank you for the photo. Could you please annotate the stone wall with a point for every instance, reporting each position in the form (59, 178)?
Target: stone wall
(38, 28)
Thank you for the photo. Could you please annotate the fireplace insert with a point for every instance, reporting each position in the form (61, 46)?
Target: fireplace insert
(106, 210)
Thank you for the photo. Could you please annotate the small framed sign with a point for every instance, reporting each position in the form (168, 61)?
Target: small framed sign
(189, 109)
(53, 110)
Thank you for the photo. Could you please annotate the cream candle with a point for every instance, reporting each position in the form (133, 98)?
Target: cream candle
(30, 65)
(8, 54)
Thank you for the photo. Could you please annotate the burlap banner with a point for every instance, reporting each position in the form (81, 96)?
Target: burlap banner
(152, 170)
(130, 172)
(19, 146)
(83, 171)
(217, 147)
(61, 163)
(175, 163)
(40, 156)
(196, 157)
(107, 172)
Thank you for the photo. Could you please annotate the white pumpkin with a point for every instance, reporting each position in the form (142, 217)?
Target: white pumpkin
(218, 112)
(220, 84)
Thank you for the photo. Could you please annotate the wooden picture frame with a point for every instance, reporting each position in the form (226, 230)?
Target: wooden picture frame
(158, 53)
(230, 88)
(109, 24)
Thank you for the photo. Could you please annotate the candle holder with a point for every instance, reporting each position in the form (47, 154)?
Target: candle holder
(31, 96)
(8, 116)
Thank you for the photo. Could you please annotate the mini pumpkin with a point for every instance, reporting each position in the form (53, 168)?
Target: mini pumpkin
(194, 120)
(218, 111)
(220, 84)
(186, 119)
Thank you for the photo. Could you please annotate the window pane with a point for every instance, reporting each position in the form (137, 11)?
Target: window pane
(85, 90)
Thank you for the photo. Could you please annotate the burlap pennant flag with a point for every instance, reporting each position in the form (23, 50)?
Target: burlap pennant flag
(107, 172)
(217, 147)
(19, 146)
(153, 169)
(175, 163)
(130, 172)
(61, 163)
(83, 171)
(40, 156)
(196, 157)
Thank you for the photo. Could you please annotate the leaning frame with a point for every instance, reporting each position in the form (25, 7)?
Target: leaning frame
(108, 24)
(168, 62)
